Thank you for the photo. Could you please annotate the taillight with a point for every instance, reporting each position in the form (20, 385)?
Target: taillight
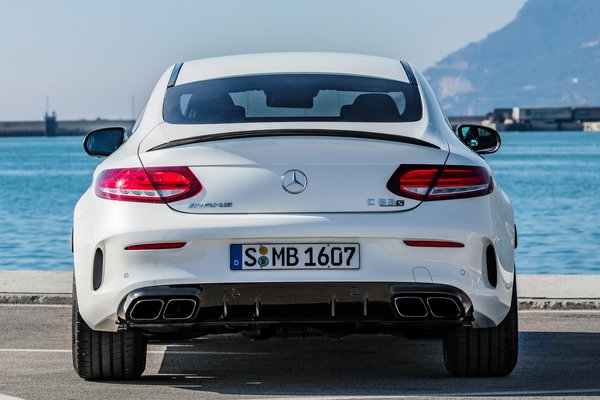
(432, 243)
(151, 185)
(432, 182)
(461, 182)
(156, 246)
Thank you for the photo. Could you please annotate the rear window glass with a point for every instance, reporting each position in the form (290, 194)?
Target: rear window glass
(292, 97)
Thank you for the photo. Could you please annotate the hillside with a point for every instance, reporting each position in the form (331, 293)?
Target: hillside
(549, 55)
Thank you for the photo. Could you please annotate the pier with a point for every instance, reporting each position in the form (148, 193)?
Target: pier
(50, 126)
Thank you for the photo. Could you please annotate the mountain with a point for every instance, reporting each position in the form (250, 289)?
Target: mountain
(549, 55)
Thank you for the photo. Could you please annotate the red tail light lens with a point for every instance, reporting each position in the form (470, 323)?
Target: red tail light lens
(416, 183)
(461, 182)
(156, 246)
(432, 243)
(429, 182)
(152, 185)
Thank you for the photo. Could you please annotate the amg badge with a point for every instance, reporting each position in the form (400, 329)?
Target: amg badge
(221, 204)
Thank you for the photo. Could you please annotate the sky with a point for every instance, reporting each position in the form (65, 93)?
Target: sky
(90, 59)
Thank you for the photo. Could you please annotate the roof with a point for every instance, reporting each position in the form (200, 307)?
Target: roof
(251, 64)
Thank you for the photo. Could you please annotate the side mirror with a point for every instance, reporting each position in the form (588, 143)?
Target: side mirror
(103, 142)
(480, 139)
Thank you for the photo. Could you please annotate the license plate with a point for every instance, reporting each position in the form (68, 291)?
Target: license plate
(294, 256)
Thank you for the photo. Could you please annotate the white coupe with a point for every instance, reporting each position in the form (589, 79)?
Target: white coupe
(293, 194)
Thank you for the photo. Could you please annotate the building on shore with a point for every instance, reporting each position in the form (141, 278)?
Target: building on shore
(538, 119)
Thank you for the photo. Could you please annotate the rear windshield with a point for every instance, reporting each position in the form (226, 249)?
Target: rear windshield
(292, 97)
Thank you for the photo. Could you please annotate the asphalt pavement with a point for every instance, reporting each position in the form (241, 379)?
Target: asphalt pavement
(559, 354)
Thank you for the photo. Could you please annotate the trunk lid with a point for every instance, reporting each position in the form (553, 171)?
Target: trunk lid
(294, 171)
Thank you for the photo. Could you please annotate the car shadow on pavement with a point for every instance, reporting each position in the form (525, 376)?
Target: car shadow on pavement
(549, 362)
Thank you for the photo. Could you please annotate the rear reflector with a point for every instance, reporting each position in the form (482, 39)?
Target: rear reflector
(432, 243)
(152, 185)
(432, 182)
(156, 246)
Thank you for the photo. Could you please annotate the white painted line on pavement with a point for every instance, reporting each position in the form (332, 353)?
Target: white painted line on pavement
(563, 392)
(34, 351)
(225, 353)
(5, 397)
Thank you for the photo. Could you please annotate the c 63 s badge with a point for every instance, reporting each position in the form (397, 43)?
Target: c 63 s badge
(385, 202)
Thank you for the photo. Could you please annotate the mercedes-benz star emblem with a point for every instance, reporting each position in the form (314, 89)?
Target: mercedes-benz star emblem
(294, 181)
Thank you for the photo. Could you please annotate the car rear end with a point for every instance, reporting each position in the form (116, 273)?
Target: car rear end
(379, 223)
(302, 210)
(401, 250)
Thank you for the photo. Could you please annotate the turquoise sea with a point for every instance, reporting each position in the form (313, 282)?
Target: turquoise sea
(553, 179)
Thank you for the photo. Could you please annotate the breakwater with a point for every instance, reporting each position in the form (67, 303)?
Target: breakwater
(58, 128)
(502, 119)
(536, 119)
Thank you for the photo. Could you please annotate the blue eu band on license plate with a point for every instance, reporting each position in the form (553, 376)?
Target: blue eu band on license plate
(276, 256)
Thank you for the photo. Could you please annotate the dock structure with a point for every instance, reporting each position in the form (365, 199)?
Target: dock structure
(50, 126)
(537, 119)
(502, 119)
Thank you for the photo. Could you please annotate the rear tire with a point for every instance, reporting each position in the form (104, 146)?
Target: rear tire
(484, 352)
(106, 355)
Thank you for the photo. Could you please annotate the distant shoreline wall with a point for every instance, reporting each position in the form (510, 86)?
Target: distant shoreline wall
(64, 128)
(587, 119)
(536, 119)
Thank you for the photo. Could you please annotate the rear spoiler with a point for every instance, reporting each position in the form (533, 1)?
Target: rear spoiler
(293, 132)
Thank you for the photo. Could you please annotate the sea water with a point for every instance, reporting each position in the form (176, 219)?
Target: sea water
(553, 179)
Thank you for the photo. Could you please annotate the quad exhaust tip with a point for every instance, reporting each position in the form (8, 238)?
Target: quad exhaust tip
(435, 306)
(443, 307)
(411, 307)
(180, 309)
(146, 310)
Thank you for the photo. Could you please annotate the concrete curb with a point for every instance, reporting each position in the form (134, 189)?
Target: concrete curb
(524, 303)
(536, 292)
(559, 304)
(35, 298)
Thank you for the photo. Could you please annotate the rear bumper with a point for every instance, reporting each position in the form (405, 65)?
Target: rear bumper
(384, 257)
(343, 307)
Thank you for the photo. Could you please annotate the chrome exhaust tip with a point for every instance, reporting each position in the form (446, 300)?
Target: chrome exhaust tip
(443, 307)
(146, 310)
(180, 309)
(411, 307)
